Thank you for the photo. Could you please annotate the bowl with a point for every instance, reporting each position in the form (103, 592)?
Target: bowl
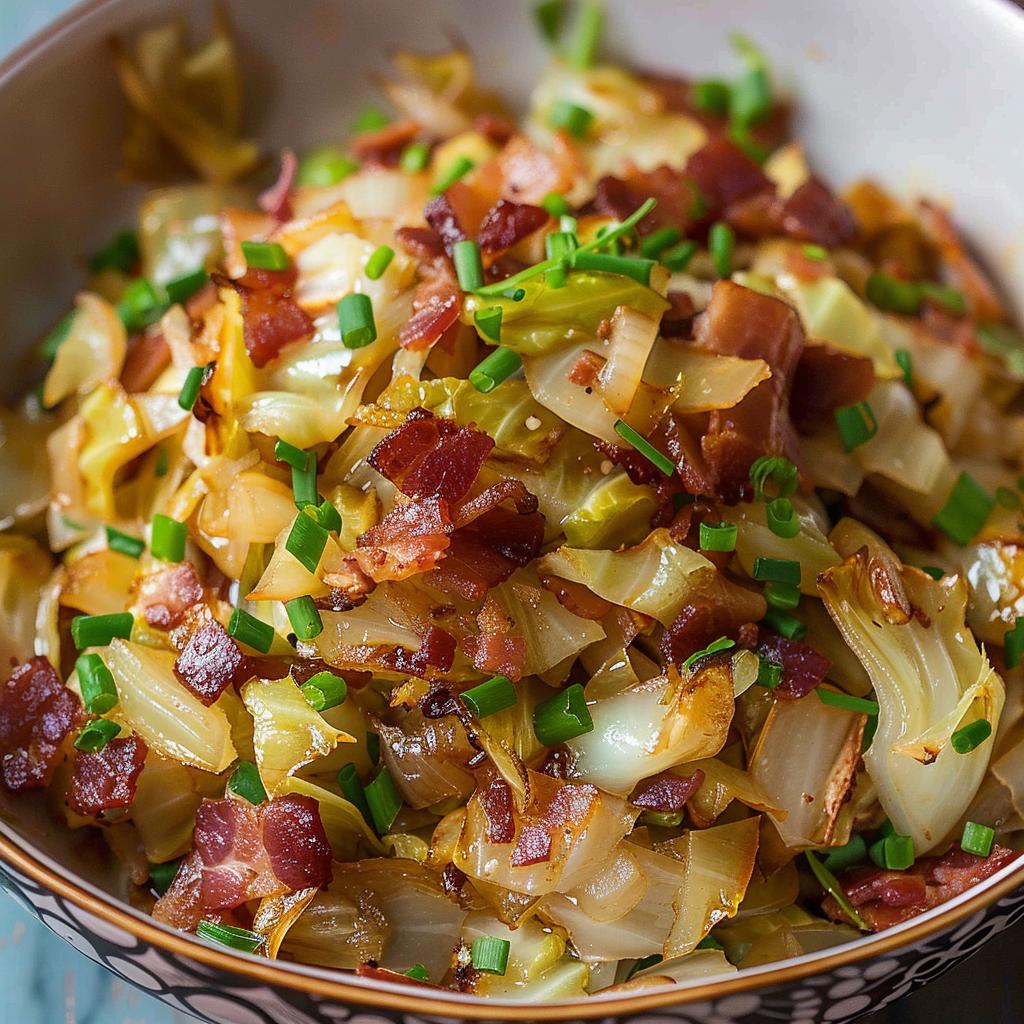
(882, 87)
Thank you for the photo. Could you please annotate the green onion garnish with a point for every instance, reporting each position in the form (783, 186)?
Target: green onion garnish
(977, 839)
(949, 298)
(373, 747)
(570, 117)
(829, 883)
(265, 256)
(124, 543)
(304, 483)
(839, 858)
(857, 424)
(782, 518)
(355, 318)
(96, 735)
(495, 369)
(966, 510)
(723, 643)
(644, 447)
(720, 537)
(140, 305)
(324, 690)
(297, 458)
(488, 322)
(769, 673)
(906, 364)
(328, 516)
(890, 293)
(776, 570)
(1013, 643)
(415, 157)
(379, 261)
(99, 691)
(750, 99)
(167, 538)
(711, 96)
(555, 204)
(606, 263)
(120, 253)
(658, 241)
(325, 166)
(558, 246)
(778, 471)
(190, 389)
(549, 15)
(643, 963)
(304, 617)
(181, 289)
(969, 737)
(934, 571)
(99, 630)
(894, 853)
(249, 630)
(161, 875)
(490, 954)
(383, 800)
(817, 253)
(370, 120)
(846, 702)
(586, 41)
(352, 790)
(468, 268)
(306, 541)
(418, 973)
(241, 939)
(491, 697)
(721, 242)
(458, 169)
(52, 342)
(245, 782)
(162, 463)
(562, 717)
(784, 624)
(677, 259)
(785, 596)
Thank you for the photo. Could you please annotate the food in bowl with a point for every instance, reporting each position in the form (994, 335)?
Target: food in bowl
(523, 557)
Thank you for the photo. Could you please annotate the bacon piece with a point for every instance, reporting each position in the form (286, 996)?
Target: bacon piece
(529, 173)
(422, 243)
(37, 713)
(271, 317)
(496, 801)
(107, 779)
(679, 203)
(295, 841)
(210, 662)
(576, 598)
(276, 200)
(383, 148)
(666, 792)
(441, 216)
(410, 539)
(696, 626)
(724, 173)
(825, 380)
(497, 649)
(147, 357)
(181, 906)
(436, 309)
(166, 595)
(566, 811)
(803, 668)
(436, 651)
(814, 213)
(507, 224)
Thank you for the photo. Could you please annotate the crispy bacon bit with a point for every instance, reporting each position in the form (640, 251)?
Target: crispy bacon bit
(584, 371)
(210, 662)
(271, 317)
(452, 879)
(679, 201)
(497, 648)
(166, 595)
(533, 846)
(696, 626)
(107, 779)
(276, 200)
(677, 321)
(566, 810)
(296, 842)
(814, 213)
(436, 308)
(383, 148)
(576, 598)
(425, 244)
(724, 173)
(436, 651)
(439, 703)
(182, 905)
(803, 668)
(410, 539)
(667, 792)
(496, 801)
(37, 713)
(506, 224)
(440, 215)
(494, 128)
(825, 380)
(147, 357)
(529, 173)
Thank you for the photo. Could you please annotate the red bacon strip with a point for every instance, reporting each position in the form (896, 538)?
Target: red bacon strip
(825, 380)
(295, 841)
(210, 662)
(147, 357)
(568, 808)
(410, 539)
(507, 224)
(436, 309)
(181, 906)
(496, 801)
(107, 779)
(436, 651)
(679, 198)
(166, 595)
(383, 148)
(724, 174)
(814, 213)
(803, 668)
(276, 200)
(667, 792)
(271, 317)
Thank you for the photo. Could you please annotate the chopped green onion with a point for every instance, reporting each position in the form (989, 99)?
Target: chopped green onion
(562, 717)
(324, 166)
(1004, 343)
(894, 853)
(846, 702)
(977, 839)
(658, 241)
(555, 204)
(586, 40)
(784, 624)
(750, 99)
(53, 341)
(167, 538)
(677, 259)
(570, 117)
(969, 737)
(245, 782)
(782, 518)
(99, 630)
(776, 570)
(1009, 499)
(888, 292)
(96, 735)
(190, 389)
(776, 469)
(468, 268)
(352, 790)
(265, 256)
(415, 157)
(304, 617)
(870, 728)
(383, 800)
(120, 253)
(1013, 643)
(490, 954)
(249, 630)
(373, 747)
(140, 305)
(324, 690)
(304, 483)
(627, 266)
(495, 369)
(829, 883)
(857, 424)
(934, 571)
(817, 253)
(839, 858)
(491, 697)
(720, 537)
(241, 939)
(418, 973)
(887, 828)
(723, 643)
(614, 245)
(558, 246)
(306, 541)
(379, 261)
(287, 453)
(161, 875)
(643, 963)
(355, 318)
(328, 516)
(549, 15)
(458, 169)
(162, 463)
(370, 120)
(782, 595)
(949, 298)
(488, 322)
(181, 289)
(769, 673)
(709, 942)
(721, 242)
(514, 294)
(124, 543)
(568, 224)
(644, 447)
(966, 510)
(906, 363)
(711, 96)
(698, 202)
(99, 691)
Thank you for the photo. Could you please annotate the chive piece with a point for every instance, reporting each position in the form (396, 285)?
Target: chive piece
(643, 963)
(373, 747)
(839, 858)
(750, 99)
(161, 875)
(887, 828)
(857, 424)
(304, 617)
(949, 298)
(785, 596)
(458, 169)
(52, 342)
(829, 883)
(817, 253)
(124, 543)
(468, 268)
(379, 261)
(1004, 343)
(328, 516)
(549, 15)
(711, 96)
(568, 224)
(555, 204)
(1008, 498)
(1013, 643)
(370, 120)
(846, 702)
(306, 541)
(677, 259)
(777, 470)
(870, 728)
(162, 463)
(352, 790)
(140, 305)
(190, 389)
(383, 800)
(249, 630)
(324, 690)
(495, 369)
(934, 571)
(99, 630)
(355, 318)
(890, 293)
(723, 643)
(586, 41)
(782, 518)
(708, 942)
(658, 241)
(418, 973)
(491, 697)
(969, 737)
(769, 673)
(605, 263)
(96, 735)
(324, 166)
(966, 510)
(99, 691)
(558, 245)
(240, 939)
(906, 363)
(644, 447)
(120, 253)
(776, 570)
(245, 782)
(490, 954)
(265, 256)
(721, 537)
(181, 289)
(567, 116)
(562, 717)
(614, 245)
(304, 483)
(784, 624)
(167, 538)
(894, 853)
(488, 322)
(289, 454)
(721, 242)
(415, 157)
(977, 839)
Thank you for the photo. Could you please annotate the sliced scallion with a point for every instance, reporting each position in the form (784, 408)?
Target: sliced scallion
(324, 690)
(785, 624)
(167, 538)
(1013, 643)
(721, 243)
(718, 537)
(124, 543)
(971, 736)
(384, 801)
(965, 511)
(562, 717)
(829, 883)
(325, 166)
(495, 369)
(245, 782)
(304, 617)
(265, 256)
(99, 630)
(488, 322)
(415, 157)
(490, 697)
(468, 268)
(847, 702)
(839, 858)
(379, 261)
(567, 116)
(355, 319)
(99, 691)
(644, 447)
(96, 735)
(229, 935)
(977, 839)
(249, 630)
(586, 41)
(776, 570)
(457, 169)
(782, 518)
(857, 424)
(723, 643)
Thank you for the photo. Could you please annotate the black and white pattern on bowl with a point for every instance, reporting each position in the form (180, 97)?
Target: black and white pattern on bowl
(840, 995)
